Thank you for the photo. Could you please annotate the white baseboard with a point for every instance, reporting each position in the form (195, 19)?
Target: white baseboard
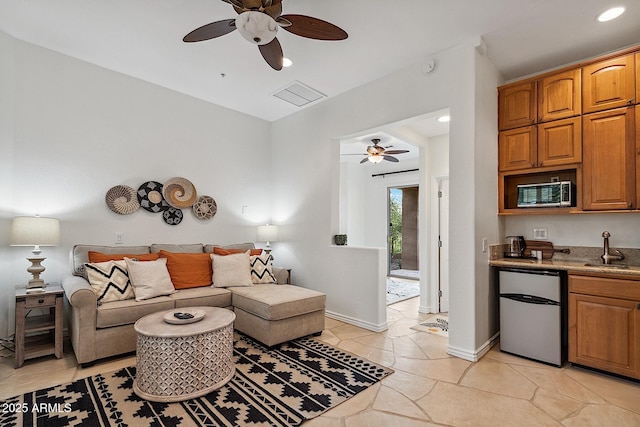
(357, 322)
(425, 309)
(475, 355)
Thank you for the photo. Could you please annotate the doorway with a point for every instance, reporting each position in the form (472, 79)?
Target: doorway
(402, 243)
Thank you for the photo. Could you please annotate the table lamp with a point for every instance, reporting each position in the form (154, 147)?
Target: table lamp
(35, 231)
(268, 233)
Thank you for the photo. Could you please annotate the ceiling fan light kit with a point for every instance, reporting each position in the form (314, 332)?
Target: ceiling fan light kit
(258, 22)
(257, 27)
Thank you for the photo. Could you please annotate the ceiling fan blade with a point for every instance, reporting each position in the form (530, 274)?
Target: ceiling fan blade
(366, 159)
(390, 158)
(272, 53)
(396, 151)
(313, 28)
(211, 31)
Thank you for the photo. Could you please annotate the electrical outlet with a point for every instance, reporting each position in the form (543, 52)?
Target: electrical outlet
(540, 234)
(119, 236)
(485, 244)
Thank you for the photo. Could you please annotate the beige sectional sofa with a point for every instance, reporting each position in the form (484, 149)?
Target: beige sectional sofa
(271, 313)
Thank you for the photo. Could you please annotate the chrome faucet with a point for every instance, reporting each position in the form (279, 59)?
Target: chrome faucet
(606, 256)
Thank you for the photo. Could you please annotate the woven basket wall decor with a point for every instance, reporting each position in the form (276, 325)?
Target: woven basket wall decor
(122, 200)
(179, 192)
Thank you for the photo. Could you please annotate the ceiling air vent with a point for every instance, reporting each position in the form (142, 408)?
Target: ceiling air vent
(298, 94)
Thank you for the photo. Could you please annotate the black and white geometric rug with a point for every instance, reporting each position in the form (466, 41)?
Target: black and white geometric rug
(280, 387)
(437, 325)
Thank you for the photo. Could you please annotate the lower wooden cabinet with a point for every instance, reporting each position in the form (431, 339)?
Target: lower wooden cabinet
(604, 324)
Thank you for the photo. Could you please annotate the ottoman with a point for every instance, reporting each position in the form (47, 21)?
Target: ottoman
(273, 314)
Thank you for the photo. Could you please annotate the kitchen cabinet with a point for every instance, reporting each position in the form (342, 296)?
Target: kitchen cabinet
(560, 95)
(517, 105)
(638, 78)
(609, 160)
(604, 324)
(548, 144)
(517, 148)
(608, 84)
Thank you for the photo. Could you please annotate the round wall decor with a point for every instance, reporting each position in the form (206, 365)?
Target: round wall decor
(151, 198)
(179, 192)
(172, 216)
(122, 199)
(205, 207)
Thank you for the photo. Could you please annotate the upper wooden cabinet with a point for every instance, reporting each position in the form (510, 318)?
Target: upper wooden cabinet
(608, 84)
(517, 105)
(638, 78)
(559, 96)
(517, 148)
(560, 142)
(609, 156)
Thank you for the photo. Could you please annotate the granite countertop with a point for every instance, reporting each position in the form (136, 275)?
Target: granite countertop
(574, 261)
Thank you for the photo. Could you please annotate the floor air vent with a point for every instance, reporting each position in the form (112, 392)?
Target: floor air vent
(298, 94)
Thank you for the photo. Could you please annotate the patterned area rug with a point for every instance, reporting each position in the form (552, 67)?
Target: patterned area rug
(438, 325)
(280, 387)
(399, 289)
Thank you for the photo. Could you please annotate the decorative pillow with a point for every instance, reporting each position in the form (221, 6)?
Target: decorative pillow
(262, 269)
(109, 280)
(149, 278)
(188, 270)
(231, 270)
(100, 257)
(221, 251)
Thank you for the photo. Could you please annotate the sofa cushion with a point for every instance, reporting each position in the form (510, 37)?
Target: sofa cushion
(276, 302)
(110, 281)
(171, 247)
(231, 270)
(262, 269)
(80, 254)
(149, 278)
(119, 313)
(221, 251)
(242, 246)
(100, 257)
(188, 270)
(209, 296)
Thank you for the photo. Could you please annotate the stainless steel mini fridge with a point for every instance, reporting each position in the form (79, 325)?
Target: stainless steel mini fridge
(533, 314)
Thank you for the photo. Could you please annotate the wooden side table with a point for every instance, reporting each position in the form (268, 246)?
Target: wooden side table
(38, 335)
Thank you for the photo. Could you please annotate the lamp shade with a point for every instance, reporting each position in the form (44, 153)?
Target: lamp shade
(267, 233)
(35, 231)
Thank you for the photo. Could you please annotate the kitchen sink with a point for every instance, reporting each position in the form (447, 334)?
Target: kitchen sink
(618, 266)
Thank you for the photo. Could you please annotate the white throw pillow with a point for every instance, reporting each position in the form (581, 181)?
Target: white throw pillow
(262, 269)
(231, 270)
(149, 278)
(109, 280)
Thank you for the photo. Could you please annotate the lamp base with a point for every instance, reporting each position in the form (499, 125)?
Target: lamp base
(36, 269)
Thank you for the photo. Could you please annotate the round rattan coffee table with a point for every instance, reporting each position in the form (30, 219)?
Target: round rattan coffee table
(182, 361)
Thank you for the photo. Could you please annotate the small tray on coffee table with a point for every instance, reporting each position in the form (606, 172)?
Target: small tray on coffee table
(191, 315)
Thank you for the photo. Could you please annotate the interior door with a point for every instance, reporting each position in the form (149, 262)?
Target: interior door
(443, 243)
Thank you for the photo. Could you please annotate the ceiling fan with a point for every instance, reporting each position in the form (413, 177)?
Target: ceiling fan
(258, 22)
(377, 153)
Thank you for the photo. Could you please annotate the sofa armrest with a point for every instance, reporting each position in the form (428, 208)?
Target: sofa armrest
(79, 292)
(282, 275)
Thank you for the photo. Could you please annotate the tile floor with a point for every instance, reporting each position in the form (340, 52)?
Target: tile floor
(428, 388)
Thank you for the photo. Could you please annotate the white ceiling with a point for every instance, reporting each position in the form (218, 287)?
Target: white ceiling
(143, 38)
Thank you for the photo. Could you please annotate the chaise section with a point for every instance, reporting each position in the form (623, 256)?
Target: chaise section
(273, 314)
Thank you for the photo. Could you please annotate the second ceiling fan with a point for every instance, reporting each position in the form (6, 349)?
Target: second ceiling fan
(376, 153)
(258, 22)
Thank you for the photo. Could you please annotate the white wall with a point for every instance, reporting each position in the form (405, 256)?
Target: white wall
(75, 130)
(307, 190)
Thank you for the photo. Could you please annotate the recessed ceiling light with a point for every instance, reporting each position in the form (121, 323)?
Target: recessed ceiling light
(444, 119)
(610, 14)
(286, 62)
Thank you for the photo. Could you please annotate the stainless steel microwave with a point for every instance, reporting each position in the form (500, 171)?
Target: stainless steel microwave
(548, 194)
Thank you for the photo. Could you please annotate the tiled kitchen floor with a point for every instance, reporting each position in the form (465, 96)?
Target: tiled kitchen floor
(428, 388)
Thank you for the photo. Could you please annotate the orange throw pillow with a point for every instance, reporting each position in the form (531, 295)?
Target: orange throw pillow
(188, 270)
(221, 251)
(100, 257)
